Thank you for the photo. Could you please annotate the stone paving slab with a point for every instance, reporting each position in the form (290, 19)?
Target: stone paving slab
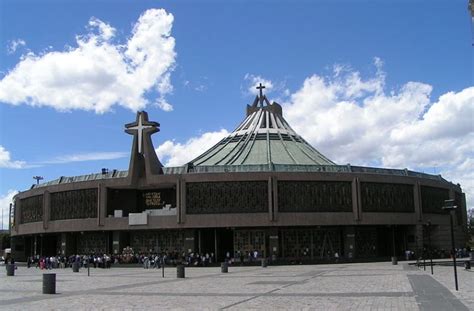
(370, 286)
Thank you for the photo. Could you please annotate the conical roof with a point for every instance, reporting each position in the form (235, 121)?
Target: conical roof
(263, 137)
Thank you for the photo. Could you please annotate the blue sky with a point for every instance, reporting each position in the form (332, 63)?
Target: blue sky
(366, 82)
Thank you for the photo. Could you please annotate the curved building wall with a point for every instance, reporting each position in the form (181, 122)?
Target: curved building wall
(282, 209)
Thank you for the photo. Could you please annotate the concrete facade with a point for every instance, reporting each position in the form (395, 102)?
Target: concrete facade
(146, 172)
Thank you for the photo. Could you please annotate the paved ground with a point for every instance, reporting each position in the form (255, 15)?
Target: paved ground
(369, 286)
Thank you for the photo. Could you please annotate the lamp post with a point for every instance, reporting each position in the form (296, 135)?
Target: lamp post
(428, 226)
(449, 206)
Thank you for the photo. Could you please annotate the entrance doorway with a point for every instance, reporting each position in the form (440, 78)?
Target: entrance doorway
(216, 240)
(50, 245)
(225, 243)
(207, 241)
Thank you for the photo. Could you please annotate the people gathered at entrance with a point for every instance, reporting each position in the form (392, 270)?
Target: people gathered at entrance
(155, 260)
(147, 260)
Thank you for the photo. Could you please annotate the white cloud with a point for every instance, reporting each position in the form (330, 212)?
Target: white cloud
(106, 31)
(97, 74)
(164, 87)
(253, 81)
(5, 201)
(355, 120)
(200, 88)
(82, 157)
(6, 161)
(164, 105)
(177, 154)
(14, 45)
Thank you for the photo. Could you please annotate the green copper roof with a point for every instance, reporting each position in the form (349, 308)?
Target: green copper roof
(263, 138)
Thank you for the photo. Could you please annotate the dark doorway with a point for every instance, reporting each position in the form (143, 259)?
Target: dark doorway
(225, 243)
(50, 243)
(207, 241)
(29, 246)
(386, 236)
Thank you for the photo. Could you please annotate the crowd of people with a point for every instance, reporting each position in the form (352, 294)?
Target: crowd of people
(55, 262)
(156, 259)
(147, 260)
(437, 253)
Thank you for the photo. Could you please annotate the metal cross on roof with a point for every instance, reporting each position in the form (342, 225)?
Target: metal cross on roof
(141, 125)
(260, 88)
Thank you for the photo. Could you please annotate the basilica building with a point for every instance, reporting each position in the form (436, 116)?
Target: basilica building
(263, 188)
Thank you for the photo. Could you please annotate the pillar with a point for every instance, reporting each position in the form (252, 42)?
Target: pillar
(349, 242)
(68, 244)
(273, 245)
(275, 199)
(16, 215)
(101, 204)
(417, 201)
(178, 201)
(118, 242)
(46, 209)
(17, 244)
(355, 198)
(270, 199)
(182, 206)
(189, 242)
(419, 239)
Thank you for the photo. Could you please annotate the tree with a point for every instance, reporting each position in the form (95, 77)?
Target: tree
(470, 227)
(4, 241)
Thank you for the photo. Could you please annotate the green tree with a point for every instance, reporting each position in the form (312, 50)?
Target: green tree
(470, 227)
(4, 241)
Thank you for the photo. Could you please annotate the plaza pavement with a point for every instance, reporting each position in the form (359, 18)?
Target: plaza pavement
(366, 286)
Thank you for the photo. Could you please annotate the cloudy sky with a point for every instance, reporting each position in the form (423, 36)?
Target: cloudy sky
(365, 82)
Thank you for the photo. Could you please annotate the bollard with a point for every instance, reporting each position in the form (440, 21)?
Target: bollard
(75, 267)
(394, 260)
(264, 262)
(224, 267)
(49, 283)
(10, 270)
(467, 265)
(180, 271)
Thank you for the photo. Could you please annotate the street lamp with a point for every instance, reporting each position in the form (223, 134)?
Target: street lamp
(449, 206)
(38, 178)
(428, 226)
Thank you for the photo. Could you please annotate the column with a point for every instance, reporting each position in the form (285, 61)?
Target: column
(101, 204)
(275, 199)
(419, 239)
(355, 198)
(178, 200)
(16, 216)
(117, 240)
(18, 248)
(63, 238)
(189, 243)
(417, 201)
(182, 210)
(273, 245)
(349, 242)
(270, 199)
(46, 209)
